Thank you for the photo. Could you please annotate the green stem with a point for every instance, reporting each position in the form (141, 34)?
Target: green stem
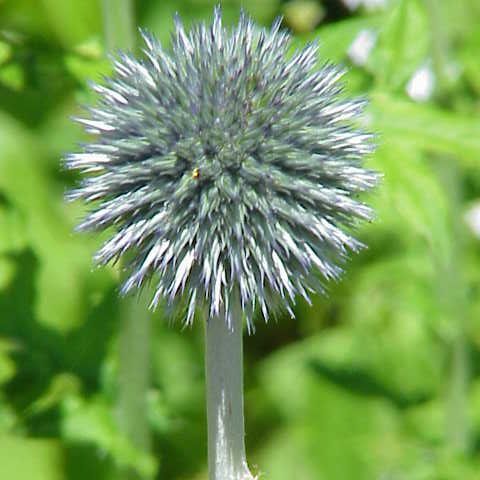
(457, 405)
(118, 24)
(452, 283)
(439, 44)
(134, 334)
(224, 376)
(455, 304)
(134, 377)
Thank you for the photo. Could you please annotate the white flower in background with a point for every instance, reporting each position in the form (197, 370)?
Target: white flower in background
(421, 85)
(367, 4)
(359, 50)
(472, 218)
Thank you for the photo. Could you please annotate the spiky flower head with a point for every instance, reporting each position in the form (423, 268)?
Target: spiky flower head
(227, 166)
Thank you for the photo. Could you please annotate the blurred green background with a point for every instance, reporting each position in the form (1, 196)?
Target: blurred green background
(379, 381)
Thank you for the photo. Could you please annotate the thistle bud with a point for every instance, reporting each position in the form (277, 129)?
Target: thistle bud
(227, 166)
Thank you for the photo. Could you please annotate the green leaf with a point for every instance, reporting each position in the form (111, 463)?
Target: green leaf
(8, 419)
(335, 38)
(7, 365)
(402, 45)
(12, 76)
(426, 127)
(394, 306)
(28, 459)
(5, 52)
(65, 259)
(73, 22)
(84, 68)
(61, 387)
(410, 202)
(24, 16)
(330, 432)
(7, 271)
(13, 236)
(469, 59)
(93, 422)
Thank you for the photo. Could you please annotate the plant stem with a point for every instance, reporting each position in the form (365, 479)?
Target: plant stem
(452, 284)
(134, 334)
(439, 46)
(118, 24)
(455, 303)
(457, 402)
(134, 376)
(224, 376)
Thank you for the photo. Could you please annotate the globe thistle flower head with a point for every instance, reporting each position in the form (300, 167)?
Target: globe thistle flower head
(228, 168)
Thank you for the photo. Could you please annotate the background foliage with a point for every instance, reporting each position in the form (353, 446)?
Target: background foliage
(379, 381)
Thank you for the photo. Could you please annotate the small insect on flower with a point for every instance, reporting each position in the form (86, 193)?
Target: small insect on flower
(228, 166)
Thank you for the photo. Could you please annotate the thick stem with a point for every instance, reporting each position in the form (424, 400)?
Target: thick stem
(224, 375)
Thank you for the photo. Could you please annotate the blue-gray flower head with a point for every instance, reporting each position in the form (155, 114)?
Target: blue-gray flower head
(228, 167)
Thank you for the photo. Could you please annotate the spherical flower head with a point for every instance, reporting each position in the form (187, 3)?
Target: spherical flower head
(227, 167)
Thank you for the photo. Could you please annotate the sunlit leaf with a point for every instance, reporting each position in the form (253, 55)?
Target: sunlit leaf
(402, 45)
(64, 259)
(28, 458)
(426, 127)
(94, 422)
